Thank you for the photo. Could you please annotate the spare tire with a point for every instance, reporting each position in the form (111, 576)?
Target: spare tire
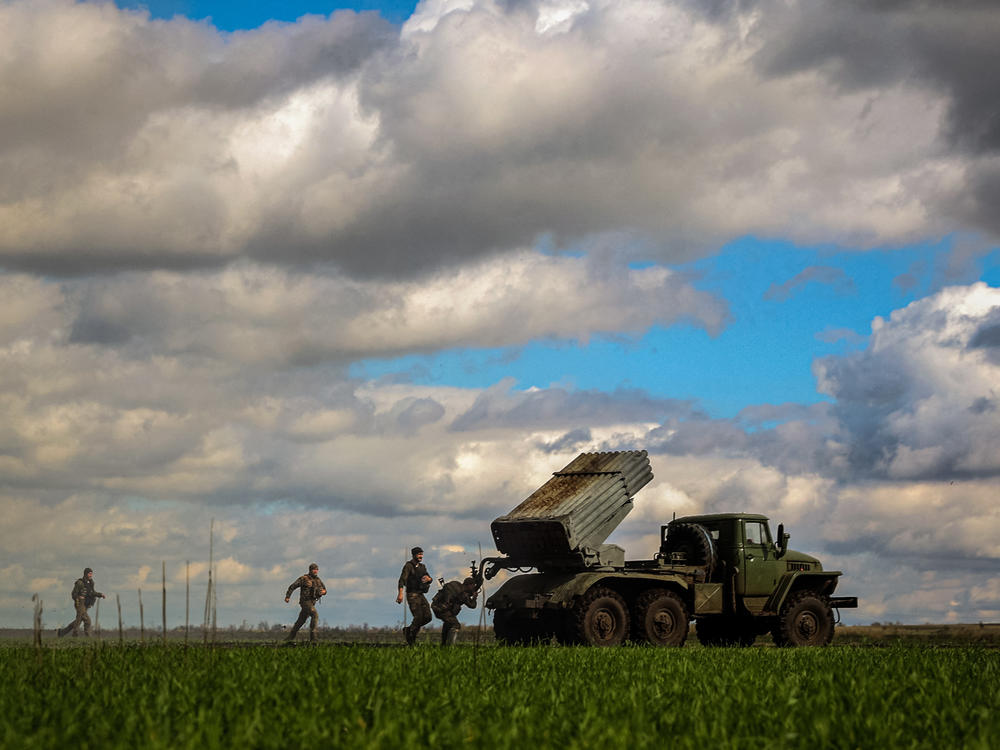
(691, 541)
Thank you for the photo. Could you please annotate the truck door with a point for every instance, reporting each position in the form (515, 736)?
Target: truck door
(760, 569)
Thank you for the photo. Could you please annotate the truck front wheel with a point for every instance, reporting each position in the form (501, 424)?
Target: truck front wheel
(600, 618)
(805, 620)
(660, 618)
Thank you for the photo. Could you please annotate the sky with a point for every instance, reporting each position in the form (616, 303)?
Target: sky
(335, 280)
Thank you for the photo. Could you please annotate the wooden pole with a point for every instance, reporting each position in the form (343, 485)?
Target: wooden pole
(164, 563)
(37, 622)
(121, 635)
(142, 621)
(187, 599)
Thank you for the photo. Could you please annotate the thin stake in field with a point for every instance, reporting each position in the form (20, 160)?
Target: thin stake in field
(121, 635)
(208, 592)
(37, 627)
(97, 620)
(142, 622)
(187, 599)
(164, 563)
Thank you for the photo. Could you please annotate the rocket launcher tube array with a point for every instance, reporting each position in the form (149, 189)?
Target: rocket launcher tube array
(577, 508)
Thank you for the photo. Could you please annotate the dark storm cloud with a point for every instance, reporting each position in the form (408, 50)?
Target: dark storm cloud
(953, 47)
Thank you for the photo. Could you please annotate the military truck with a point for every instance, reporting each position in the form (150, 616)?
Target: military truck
(725, 571)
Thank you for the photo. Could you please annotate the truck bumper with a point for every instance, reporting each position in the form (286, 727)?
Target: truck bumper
(844, 602)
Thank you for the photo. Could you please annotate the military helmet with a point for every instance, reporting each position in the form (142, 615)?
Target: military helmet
(469, 582)
(313, 566)
(87, 570)
(417, 551)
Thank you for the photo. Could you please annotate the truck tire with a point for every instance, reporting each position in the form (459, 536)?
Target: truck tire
(600, 618)
(725, 631)
(805, 620)
(660, 618)
(694, 542)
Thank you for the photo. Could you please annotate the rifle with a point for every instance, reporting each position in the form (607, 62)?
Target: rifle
(476, 574)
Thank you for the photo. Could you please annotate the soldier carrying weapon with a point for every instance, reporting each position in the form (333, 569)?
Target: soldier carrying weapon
(447, 604)
(84, 596)
(311, 590)
(415, 581)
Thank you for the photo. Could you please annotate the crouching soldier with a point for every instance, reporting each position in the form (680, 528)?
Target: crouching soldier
(84, 597)
(447, 603)
(415, 581)
(311, 590)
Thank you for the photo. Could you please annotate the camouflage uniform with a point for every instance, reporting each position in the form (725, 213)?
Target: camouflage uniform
(447, 603)
(411, 579)
(310, 591)
(84, 596)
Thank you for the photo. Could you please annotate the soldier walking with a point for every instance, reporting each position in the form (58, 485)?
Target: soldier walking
(415, 581)
(311, 589)
(84, 597)
(447, 603)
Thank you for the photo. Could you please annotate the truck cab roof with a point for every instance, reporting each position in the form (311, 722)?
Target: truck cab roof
(716, 517)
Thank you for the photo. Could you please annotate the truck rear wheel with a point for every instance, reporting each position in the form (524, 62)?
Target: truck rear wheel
(600, 618)
(805, 620)
(660, 618)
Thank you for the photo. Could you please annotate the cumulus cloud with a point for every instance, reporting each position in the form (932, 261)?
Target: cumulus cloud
(483, 126)
(916, 403)
(267, 315)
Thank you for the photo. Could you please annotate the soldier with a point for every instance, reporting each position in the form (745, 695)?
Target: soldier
(447, 603)
(84, 597)
(415, 581)
(311, 589)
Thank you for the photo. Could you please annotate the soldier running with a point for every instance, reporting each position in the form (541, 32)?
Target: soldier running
(84, 597)
(311, 589)
(447, 603)
(415, 581)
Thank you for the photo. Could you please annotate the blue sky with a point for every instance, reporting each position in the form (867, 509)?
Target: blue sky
(361, 282)
(763, 355)
(233, 16)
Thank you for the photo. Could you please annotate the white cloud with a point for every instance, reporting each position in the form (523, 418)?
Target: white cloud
(481, 127)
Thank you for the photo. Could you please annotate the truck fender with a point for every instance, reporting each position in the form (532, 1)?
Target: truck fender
(823, 582)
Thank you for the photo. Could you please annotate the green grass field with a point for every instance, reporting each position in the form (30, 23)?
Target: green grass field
(492, 697)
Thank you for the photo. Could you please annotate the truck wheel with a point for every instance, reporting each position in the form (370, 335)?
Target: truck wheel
(660, 618)
(805, 620)
(600, 618)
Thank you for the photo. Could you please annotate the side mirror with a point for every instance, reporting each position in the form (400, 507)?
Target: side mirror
(782, 540)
